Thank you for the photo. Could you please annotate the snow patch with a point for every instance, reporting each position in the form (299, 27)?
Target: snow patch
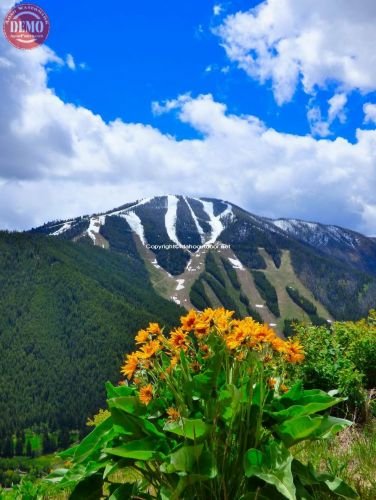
(171, 216)
(315, 234)
(176, 300)
(236, 264)
(135, 224)
(155, 264)
(131, 208)
(195, 220)
(215, 221)
(94, 227)
(65, 227)
(180, 285)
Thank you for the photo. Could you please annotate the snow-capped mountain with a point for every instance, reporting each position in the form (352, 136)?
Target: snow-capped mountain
(173, 234)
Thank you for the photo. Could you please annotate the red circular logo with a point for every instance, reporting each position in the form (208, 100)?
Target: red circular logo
(26, 26)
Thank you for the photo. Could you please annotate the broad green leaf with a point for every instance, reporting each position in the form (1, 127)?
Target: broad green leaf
(340, 488)
(185, 482)
(188, 428)
(301, 410)
(203, 383)
(69, 453)
(90, 488)
(94, 442)
(141, 449)
(308, 476)
(133, 425)
(128, 404)
(183, 460)
(272, 465)
(265, 493)
(229, 402)
(126, 424)
(321, 427)
(253, 462)
(115, 391)
(122, 492)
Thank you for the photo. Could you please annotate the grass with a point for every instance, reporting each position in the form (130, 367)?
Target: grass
(285, 275)
(350, 455)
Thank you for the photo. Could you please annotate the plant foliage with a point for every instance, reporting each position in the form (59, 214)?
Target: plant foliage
(205, 413)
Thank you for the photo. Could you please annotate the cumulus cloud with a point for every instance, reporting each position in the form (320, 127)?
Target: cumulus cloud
(60, 160)
(336, 110)
(369, 110)
(300, 42)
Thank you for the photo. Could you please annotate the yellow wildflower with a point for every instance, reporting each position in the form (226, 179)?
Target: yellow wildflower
(235, 340)
(271, 382)
(146, 394)
(173, 414)
(277, 344)
(202, 329)
(148, 350)
(142, 337)
(130, 365)
(154, 329)
(293, 351)
(188, 321)
(178, 339)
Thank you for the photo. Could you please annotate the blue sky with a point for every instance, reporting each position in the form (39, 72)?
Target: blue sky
(271, 105)
(140, 52)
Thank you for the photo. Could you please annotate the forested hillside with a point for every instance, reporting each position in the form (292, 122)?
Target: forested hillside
(68, 313)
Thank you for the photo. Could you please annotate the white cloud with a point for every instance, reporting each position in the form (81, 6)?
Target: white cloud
(369, 110)
(59, 160)
(217, 9)
(336, 110)
(70, 62)
(337, 105)
(293, 42)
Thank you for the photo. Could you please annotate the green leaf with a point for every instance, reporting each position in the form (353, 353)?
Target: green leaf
(229, 402)
(183, 460)
(301, 410)
(188, 428)
(203, 383)
(132, 425)
(128, 404)
(118, 391)
(308, 476)
(91, 488)
(122, 492)
(272, 465)
(141, 449)
(300, 428)
(94, 442)
(253, 462)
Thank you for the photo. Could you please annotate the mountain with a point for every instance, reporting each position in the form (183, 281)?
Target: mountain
(203, 251)
(74, 292)
(68, 313)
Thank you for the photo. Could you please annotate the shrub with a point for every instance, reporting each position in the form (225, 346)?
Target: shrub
(341, 356)
(205, 413)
